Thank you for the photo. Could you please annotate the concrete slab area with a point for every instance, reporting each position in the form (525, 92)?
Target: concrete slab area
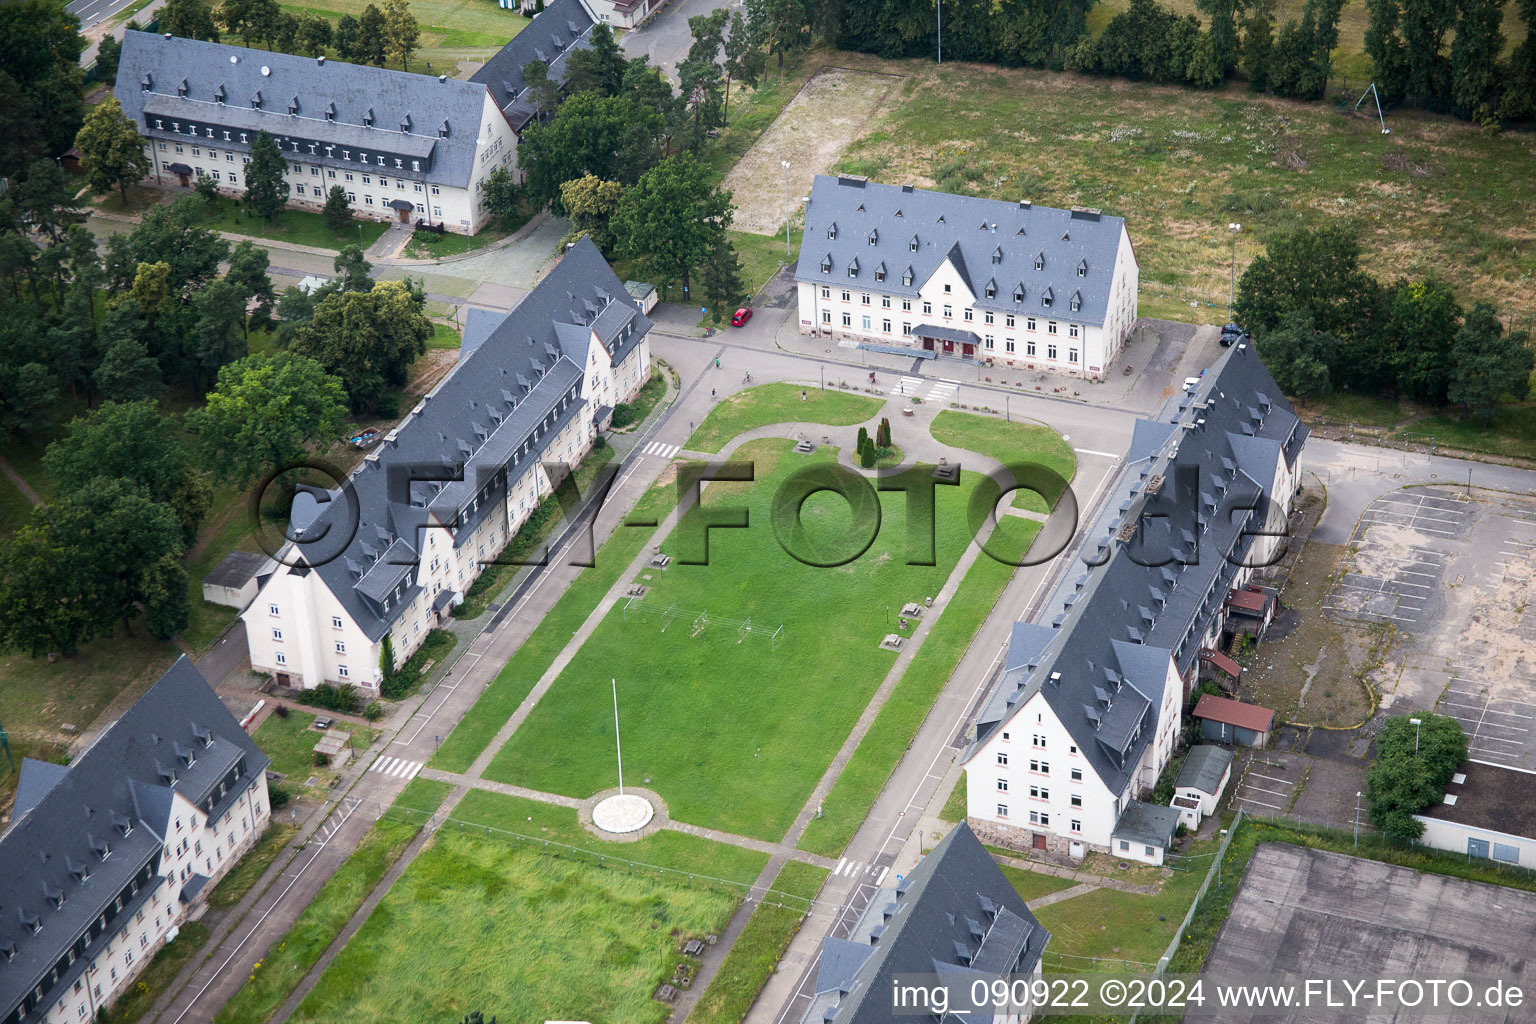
(1319, 914)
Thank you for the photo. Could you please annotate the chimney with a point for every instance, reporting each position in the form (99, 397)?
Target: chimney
(320, 60)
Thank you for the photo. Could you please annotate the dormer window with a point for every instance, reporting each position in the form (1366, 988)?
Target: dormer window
(826, 264)
(442, 130)
(1045, 297)
(368, 118)
(405, 124)
(832, 230)
(997, 255)
(1076, 302)
(906, 278)
(218, 95)
(853, 268)
(1040, 262)
(991, 289)
(874, 236)
(181, 89)
(1082, 268)
(330, 112)
(147, 82)
(293, 107)
(912, 245)
(256, 100)
(1018, 294)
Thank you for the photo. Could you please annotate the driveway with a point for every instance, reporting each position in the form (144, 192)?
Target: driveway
(665, 39)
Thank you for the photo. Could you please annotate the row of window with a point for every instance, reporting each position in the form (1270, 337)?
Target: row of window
(1042, 818)
(968, 314)
(228, 135)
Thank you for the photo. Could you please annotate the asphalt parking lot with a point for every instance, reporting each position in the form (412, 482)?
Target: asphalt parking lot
(1319, 914)
(1453, 575)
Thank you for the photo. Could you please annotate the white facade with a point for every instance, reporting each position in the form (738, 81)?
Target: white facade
(370, 188)
(618, 13)
(300, 633)
(1471, 841)
(193, 846)
(1030, 339)
(1030, 786)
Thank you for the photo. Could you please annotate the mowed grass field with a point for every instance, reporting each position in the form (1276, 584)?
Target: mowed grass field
(768, 404)
(1436, 196)
(732, 732)
(451, 30)
(481, 924)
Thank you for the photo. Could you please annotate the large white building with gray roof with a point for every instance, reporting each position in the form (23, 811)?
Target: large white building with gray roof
(404, 146)
(438, 499)
(1088, 709)
(903, 269)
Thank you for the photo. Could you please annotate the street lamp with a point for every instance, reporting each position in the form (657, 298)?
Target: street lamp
(1357, 819)
(785, 164)
(938, 9)
(1232, 269)
(1416, 725)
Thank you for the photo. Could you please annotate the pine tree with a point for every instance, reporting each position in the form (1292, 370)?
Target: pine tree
(338, 212)
(863, 437)
(720, 278)
(265, 189)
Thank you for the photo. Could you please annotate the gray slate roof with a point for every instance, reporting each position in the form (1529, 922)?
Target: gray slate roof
(1203, 768)
(350, 91)
(1209, 453)
(1146, 823)
(989, 241)
(121, 779)
(237, 569)
(561, 27)
(522, 382)
(956, 901)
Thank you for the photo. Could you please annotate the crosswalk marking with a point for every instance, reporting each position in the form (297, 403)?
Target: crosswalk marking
(855, 868)
(942, 390)
(666, 451)
(907, 386)
(396, 767)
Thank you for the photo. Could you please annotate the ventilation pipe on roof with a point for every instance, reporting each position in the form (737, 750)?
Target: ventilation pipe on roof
(320, 60)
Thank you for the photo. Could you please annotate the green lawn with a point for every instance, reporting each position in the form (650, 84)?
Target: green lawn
(290, 743)
(1125, 930)
(1180, 164)
(430, 245)
(511, 817)
(633, 414)
(301, 227)
(1011, 444)
(731, 730)
(533, 658)
(758, 948)
(864, 776)
(1033, 884)
(955, 807)
(518, 934)
(161, 972)
(778, 403)
(240, 878)
(277, 971)
(444, 336)
(1512, 433)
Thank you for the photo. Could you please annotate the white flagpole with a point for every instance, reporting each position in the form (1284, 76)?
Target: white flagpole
(618, 745)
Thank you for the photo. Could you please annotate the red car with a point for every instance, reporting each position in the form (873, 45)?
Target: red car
(742, 316)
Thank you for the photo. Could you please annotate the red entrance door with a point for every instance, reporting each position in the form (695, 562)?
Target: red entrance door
(968, 350)
(949, 347)
(928, 344)
(1039, 841)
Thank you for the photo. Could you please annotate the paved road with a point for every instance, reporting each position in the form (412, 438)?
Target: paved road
(665, 39)
(91, 11)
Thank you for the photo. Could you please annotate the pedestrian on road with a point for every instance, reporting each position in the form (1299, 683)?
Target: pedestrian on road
(711, 394)
(717, 362)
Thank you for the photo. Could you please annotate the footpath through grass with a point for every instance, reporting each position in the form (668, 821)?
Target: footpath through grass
(778, 403)
(479, 726)
(480, 924)
(278, 970)
(758, 948)
(862, 779)
(731, 727)
(1013, 443)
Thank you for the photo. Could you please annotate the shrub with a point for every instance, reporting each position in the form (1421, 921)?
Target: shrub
(373, 711)
(281, 711)
(1412, 766)
(333, 698)
(277, 795)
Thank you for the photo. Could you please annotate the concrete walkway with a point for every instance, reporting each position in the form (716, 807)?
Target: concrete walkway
(1056, 897)
(1085, 877)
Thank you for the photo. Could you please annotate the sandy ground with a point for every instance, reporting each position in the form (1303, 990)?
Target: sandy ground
(829, 112)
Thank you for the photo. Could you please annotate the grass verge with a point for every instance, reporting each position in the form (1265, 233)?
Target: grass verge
(757, 950)
(290, 743)
(275, 974)
(151, 983)
(299, 227)
(234, 885)
(1016, 443)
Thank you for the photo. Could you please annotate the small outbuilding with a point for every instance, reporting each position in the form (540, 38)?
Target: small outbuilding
(1487, 811)
(1144, 832)
(334, 749)
(1250, 610)
(1202, 780)
(234, 581)
(643, 293)
(1232, 721)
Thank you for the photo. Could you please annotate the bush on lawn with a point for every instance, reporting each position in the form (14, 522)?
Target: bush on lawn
(344, 699)
(1412, 766)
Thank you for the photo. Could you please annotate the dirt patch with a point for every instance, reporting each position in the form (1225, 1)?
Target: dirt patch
(832, 109)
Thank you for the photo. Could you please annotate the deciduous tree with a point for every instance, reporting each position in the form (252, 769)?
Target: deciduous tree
(367, 338)
(190, 19)
(352, 269)
(1488, 363)
(590, 202)
(1412, 767)
(669, 220)
(1299, 356)
(111, 149)
(372, 37)
(401, 32)
(264, 412)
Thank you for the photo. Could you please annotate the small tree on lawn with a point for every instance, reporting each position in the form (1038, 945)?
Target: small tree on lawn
(338, 212)
(863, 437)
(720, 277)
(883, 435)
(867, 455)
(111, 149)
(265, 189)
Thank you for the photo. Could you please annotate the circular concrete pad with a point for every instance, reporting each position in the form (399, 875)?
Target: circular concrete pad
(620, 814)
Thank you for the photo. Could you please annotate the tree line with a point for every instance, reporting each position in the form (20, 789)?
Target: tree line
(615, 148)
(152, 320)
(1445, 55)
(1323, 324)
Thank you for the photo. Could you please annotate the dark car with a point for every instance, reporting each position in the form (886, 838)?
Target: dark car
(742, 316)
(1231, 334)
